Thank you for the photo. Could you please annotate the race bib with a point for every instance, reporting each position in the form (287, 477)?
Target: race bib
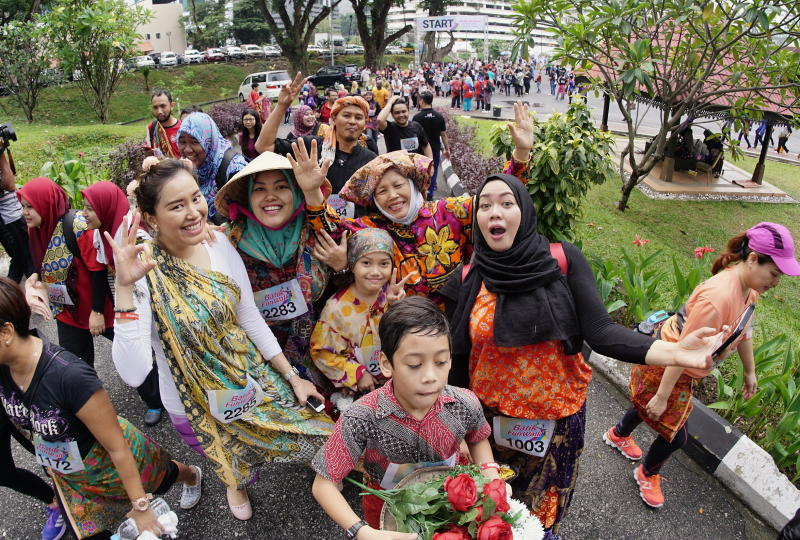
(410, 144)
(282, 302)
(395, 472)
(343, 208)
(230, 405)
(527, 436)
(370, 358)
(57, 292)
(62, 457)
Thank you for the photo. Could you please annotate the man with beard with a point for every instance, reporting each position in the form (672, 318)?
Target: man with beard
(162, 134)
(342, 144)
(403, 133)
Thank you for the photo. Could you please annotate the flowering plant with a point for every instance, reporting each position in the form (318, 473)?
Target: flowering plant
(460, 505)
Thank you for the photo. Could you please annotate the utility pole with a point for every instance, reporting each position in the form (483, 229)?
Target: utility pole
(327, 3)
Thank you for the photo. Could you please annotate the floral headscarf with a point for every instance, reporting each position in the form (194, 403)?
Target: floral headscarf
(329, 142)
(369, 240)
(203, 128)
(300, 129)
(360, 188)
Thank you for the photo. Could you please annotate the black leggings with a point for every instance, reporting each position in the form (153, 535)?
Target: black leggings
(19, 480)
(78, 341)
(14, 239)
(661, 448)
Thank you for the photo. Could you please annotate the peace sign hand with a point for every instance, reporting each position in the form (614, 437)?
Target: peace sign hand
(396, 290)
(290, 91)
(307, 171)
(131, 261)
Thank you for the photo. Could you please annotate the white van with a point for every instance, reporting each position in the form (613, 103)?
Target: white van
(269, 83)
(168, 58)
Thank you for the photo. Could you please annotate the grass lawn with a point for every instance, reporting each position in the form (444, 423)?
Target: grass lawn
(677, 227)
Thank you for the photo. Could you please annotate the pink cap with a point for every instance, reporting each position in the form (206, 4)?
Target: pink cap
(776, 241)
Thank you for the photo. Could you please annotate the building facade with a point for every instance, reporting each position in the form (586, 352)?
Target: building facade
(165, 30)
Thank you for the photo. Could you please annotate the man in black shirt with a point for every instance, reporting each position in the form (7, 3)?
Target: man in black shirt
(435, 129)
(402, 134)
(349, 118)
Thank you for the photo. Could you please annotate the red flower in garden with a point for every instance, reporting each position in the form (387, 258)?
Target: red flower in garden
(454, 533)
(81, 154)
(639, 241)
(699, 252)
(496, 490)
(461, 492)
(495, 528)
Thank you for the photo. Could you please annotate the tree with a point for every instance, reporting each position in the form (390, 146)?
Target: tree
(26, 57)
(371, 18)
(207, 25)
(688, 56)
(248, 24)
(19, 10)
(347, 24)
(95, 38)
(432, 53)
(297, 27)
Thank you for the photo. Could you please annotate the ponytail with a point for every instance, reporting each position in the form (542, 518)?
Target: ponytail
(737, 250)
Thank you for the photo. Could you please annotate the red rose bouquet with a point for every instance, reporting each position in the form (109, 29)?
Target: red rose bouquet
(460, 505)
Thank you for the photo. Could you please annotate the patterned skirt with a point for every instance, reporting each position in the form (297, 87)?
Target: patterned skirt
(644, 385)
(94, 499)
(546, 483)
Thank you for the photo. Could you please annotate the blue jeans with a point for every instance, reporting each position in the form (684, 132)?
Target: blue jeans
(436, 160)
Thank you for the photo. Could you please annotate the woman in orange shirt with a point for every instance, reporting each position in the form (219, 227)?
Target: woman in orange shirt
(519, 318)
(752, 264)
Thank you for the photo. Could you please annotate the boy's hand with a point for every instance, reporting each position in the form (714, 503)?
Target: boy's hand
(368, 533)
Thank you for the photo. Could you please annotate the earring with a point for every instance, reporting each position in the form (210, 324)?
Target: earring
(8, 343)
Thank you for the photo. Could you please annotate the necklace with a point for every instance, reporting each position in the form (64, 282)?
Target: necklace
(37, 351)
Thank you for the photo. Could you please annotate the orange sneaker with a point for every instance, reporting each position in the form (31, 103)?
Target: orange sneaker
(649, 487)
(625, 445)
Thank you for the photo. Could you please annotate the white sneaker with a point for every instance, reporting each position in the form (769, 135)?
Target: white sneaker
(190, 495)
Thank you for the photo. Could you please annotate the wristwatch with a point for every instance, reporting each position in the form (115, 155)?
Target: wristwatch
(351, 533)
(142, 503)
(290, 374)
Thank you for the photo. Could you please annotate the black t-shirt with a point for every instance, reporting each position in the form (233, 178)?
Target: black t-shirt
(60, 387)
(410, 137)
(433, 123)
(343, 166)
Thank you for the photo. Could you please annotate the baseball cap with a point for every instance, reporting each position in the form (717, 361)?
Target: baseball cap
(776, 241)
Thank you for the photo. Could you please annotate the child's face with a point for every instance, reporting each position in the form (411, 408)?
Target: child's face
(372, 271)
(419, 371)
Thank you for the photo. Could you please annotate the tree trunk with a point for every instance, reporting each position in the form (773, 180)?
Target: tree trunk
(627, 187)
(434, 54)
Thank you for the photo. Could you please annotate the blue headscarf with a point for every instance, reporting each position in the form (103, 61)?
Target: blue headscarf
(203, 128)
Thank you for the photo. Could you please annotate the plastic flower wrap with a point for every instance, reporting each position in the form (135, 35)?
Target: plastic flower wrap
(460, 504)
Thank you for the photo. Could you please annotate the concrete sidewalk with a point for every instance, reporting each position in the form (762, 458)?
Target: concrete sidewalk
(606, 502)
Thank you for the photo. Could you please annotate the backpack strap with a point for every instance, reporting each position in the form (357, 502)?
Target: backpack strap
(69, 234)
(556, 251)
(222, 173)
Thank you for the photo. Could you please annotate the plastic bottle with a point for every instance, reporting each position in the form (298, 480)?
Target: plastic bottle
(129, 531)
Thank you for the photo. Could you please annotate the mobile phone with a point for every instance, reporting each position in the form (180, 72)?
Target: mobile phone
(740, 326)
(314, 404)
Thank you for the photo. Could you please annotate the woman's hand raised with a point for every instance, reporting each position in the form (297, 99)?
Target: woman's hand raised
(308, 172)
(132, 261)
(521, 132)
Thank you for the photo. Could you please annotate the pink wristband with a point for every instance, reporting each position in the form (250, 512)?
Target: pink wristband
(490, 465)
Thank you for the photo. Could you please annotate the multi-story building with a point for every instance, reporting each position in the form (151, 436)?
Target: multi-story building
(165, 30)
(500, 23)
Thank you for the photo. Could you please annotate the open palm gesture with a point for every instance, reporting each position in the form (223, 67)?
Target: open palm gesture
(132, 261)
(308, 172)
(521, 130)
(396, 291)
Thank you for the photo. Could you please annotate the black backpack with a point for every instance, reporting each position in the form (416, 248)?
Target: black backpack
(69, 234)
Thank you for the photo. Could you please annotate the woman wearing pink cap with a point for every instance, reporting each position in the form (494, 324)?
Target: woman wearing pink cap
(753, 263)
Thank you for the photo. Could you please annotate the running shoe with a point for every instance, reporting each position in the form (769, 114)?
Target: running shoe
(55, 526)
(625, 445)
(152, 417)
(190, 495)
(649, 487)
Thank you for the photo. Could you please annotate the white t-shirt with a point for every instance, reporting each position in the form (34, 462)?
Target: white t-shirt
(10, 208)
(131, 349)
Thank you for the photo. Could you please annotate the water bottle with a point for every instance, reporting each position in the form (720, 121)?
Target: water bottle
(129, 531)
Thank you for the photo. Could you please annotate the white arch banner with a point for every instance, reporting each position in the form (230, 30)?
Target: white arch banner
(450, 23)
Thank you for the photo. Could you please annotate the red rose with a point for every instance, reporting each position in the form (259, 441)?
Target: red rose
(461, 492)
(454, 533)
(496, 490)
(495, 528)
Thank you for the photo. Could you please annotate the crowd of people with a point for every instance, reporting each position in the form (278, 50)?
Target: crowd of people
(307, 299)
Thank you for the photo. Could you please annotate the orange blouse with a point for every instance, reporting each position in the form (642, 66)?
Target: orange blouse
(533, 381)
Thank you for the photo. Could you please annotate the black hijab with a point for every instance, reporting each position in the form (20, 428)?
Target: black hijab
(534, 302)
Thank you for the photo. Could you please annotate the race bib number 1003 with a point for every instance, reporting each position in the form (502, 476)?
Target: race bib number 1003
(527, 436)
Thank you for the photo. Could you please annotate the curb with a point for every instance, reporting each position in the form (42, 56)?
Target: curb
(722, 450)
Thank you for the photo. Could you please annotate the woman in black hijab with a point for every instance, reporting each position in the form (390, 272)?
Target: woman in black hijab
(519, 315)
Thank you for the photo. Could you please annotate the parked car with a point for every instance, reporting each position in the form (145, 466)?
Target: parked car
(272, 50)
(354, 49)
(156, 56)
(169, 58)
(141, 62)
(269, 83)
(394, 50)
(234, 53)
(253, 51)
(192, 56)
(213, 55)
(329, 75)
(317, 50)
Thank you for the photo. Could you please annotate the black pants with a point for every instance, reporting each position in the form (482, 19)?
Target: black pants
(14, 238)
(19, 480)
(455, 102)
(782, 144)
(81, 343)
(661, 448)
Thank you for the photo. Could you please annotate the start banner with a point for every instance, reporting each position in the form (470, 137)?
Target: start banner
(451, 23)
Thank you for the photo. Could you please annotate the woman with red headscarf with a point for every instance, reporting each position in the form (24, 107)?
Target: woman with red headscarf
(78, 297)
(106, 205)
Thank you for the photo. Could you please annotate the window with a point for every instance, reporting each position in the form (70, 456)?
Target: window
(148, 36)
(247, 81)
(158, 35)
(260, 78)
(279, 76)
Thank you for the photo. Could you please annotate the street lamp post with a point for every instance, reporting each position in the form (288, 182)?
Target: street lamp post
(169, 40)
